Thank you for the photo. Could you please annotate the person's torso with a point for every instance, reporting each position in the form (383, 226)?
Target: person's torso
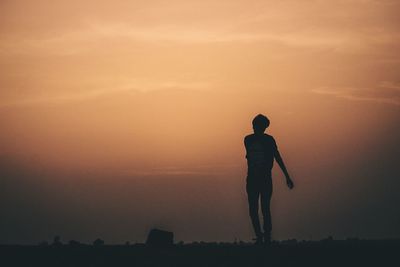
(260, 150)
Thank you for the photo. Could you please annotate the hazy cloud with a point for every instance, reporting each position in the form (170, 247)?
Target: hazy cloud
(132, 87)
(80, 40)
(386, 92)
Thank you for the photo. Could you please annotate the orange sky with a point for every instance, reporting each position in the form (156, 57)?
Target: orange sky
(132, 105)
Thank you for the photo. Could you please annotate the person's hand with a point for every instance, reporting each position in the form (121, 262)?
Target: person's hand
(289, 183)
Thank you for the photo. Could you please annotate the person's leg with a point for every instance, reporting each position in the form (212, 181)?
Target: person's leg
(266, 194)
(253, 198)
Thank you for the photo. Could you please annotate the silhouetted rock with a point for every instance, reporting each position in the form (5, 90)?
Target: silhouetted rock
(160, 238)
(98, 242)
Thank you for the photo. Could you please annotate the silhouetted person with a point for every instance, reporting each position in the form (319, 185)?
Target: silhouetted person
(261, 150)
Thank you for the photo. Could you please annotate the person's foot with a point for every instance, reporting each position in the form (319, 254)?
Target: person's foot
(258, 240)
(267, 238)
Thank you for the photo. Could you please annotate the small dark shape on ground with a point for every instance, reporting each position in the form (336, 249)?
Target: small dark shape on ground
(160, 238)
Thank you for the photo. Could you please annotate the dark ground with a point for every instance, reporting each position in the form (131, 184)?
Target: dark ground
(322, 253)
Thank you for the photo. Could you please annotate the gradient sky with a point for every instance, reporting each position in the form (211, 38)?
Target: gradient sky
(119, 116)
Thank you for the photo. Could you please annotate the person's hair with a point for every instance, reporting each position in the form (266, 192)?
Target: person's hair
(260, 123)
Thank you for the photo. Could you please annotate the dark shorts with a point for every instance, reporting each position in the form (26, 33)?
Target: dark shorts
(259, 186)
(259, 181)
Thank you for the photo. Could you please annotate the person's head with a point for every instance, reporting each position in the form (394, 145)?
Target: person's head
(260, 123)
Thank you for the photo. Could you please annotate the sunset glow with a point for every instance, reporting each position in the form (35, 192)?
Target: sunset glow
(118, 116)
